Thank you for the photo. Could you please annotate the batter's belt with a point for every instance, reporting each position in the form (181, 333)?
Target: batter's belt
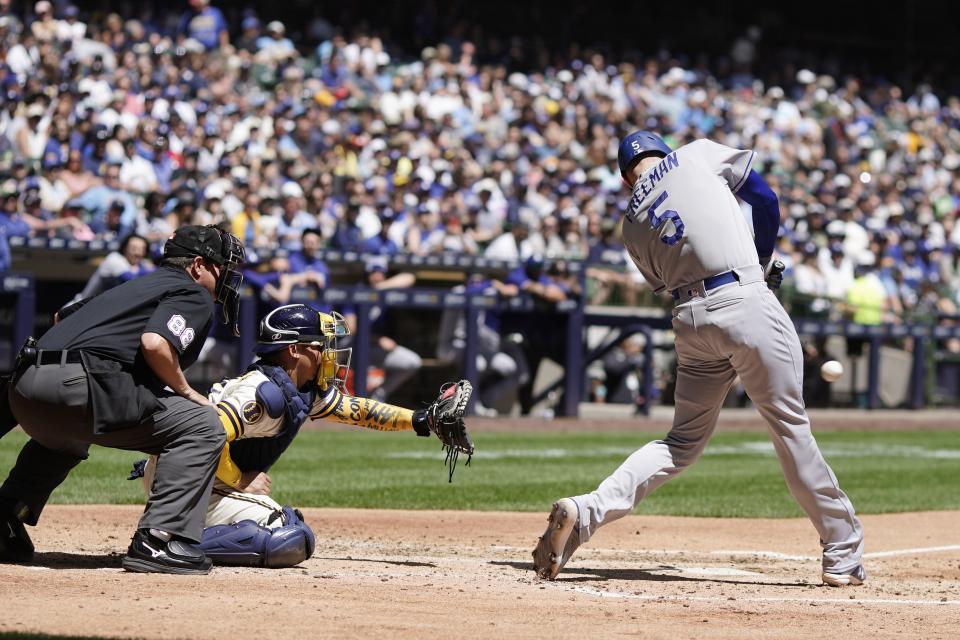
(698, 289)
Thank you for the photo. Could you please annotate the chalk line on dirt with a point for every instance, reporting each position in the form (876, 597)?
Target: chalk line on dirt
(756, 599)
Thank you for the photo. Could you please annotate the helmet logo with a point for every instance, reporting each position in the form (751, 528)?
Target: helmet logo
(276, 336)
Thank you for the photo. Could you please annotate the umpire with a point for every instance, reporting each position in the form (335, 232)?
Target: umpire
(110, 373)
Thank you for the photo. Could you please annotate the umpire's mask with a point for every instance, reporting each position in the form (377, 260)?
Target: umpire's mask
(221, 248)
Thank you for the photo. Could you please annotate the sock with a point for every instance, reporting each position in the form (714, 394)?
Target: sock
(162, 535)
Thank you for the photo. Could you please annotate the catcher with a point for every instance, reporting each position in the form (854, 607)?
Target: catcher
(299, 375)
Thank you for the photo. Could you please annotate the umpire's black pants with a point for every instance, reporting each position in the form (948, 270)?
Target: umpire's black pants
(51, 403)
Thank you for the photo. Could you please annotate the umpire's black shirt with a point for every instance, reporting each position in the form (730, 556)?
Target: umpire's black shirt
(168, 302)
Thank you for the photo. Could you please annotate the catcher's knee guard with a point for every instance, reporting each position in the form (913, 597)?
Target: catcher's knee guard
(248, 544)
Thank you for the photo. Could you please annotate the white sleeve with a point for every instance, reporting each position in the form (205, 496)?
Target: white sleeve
(237, 400)
(733, 165)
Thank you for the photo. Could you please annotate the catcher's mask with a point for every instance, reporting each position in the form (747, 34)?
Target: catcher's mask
(224, 250)
(300, 324)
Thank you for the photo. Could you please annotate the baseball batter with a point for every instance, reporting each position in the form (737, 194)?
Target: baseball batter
(685, 231)
(299, 376)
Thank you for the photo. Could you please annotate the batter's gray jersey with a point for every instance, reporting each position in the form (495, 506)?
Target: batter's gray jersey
(683, 223)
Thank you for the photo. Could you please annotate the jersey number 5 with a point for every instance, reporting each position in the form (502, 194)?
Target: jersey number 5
(657, 221)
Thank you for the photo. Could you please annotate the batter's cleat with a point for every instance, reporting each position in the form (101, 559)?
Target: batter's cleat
(15, 544)
(853, 578)
(559, 541)
(149, 554)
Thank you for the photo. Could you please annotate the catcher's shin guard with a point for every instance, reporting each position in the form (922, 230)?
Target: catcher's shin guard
(247, 544)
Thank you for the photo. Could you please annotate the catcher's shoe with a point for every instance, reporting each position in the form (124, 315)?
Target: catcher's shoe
(15, 544)
(559, 541)
(853, 578)
(149, 554)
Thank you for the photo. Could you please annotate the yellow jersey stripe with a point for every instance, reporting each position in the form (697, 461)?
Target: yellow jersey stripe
(324, 410)
(227, 409)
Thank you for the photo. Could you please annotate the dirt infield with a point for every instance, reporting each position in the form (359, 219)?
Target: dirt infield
(418, 574)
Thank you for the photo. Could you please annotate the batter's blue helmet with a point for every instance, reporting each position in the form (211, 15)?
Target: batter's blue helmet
(639, 144)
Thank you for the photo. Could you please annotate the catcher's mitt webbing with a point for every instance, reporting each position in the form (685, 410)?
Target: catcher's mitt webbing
(445, 418)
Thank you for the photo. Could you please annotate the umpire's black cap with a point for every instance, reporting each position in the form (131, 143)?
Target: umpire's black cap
(195, 240)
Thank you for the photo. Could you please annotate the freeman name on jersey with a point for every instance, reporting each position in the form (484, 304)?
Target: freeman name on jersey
(645, 185)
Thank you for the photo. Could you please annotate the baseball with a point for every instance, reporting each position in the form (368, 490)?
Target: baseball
(831, 370)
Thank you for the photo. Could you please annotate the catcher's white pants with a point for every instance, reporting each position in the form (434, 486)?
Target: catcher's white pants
(227, 505)
(737, 329)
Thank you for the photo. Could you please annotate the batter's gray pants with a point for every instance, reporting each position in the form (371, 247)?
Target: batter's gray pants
(51, 404)
(737, 329)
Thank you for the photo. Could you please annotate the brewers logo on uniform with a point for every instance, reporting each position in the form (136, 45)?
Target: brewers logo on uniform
(252, 411)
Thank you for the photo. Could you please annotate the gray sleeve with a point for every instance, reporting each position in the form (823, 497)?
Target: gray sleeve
(733, 165)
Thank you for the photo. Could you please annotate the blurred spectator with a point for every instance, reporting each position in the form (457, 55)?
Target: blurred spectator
(810, 284)
(205, 24)
(525, 329)
(70, 28)
(33, 134)
(156, 226)
(307, 261)
(382, 243)
(110, 208)
(275, 45)
(44, 28)
(293, 220)
(275, 285)
(136, 173)
(398, 363)
(77, 179)
(249, 34)
(6, 260)
(512, 245)
(129, 261)
(622, 374)
(837, 269)
(426, 234)
(866, 304)
(499, 375)
(867, 298)
(606, 245)
(12, 222)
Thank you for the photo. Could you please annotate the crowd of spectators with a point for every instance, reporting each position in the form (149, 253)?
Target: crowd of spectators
(112, 125)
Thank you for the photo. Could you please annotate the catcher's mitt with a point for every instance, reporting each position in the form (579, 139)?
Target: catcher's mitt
(445, 419)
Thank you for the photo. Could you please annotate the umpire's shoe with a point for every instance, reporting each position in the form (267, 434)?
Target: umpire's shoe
(150, 554)
(559, 541)
(15, 544)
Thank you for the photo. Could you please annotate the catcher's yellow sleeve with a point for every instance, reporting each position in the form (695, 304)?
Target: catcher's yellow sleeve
(227, 471)
(362, 412)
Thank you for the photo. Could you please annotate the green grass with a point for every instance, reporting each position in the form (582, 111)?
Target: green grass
(738, 476)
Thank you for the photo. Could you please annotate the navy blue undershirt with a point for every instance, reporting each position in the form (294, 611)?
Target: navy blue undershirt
(766, 213)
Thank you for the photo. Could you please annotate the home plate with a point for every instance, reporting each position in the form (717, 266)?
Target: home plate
(707, 571)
